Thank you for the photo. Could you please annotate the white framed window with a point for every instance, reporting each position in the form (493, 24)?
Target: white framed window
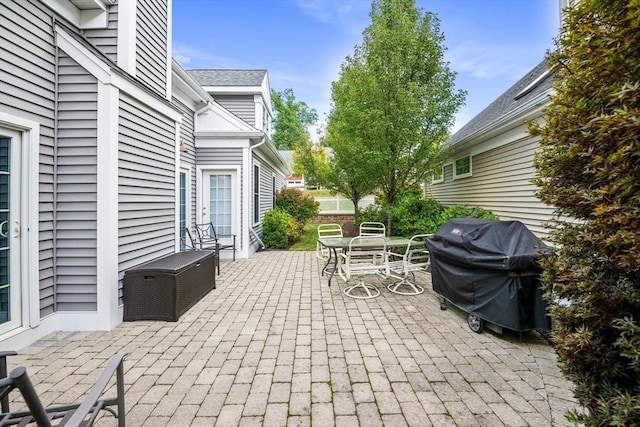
(219, 204)
(184, 211)
(256, 193)
(438, 175)
(462, 167)
(274, 191)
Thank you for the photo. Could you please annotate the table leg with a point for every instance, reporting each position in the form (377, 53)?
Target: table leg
(332, 254)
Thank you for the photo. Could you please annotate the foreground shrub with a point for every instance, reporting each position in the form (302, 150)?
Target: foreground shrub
(279, 229)
(298, 204)
(589, 169)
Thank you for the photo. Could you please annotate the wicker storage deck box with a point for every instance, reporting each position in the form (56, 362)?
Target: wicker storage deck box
(166, 288)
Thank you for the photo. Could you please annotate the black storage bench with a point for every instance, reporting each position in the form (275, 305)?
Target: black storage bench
(166, 288)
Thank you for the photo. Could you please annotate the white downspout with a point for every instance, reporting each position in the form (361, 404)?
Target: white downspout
(252, 231)
(200, 111)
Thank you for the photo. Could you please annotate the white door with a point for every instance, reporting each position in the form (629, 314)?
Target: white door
(219, 201)
(10, 286)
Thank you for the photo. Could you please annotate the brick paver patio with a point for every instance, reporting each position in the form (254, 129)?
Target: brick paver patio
(274, 345)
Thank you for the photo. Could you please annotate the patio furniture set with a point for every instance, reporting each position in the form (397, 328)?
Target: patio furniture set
(489, 269)
(372, 253)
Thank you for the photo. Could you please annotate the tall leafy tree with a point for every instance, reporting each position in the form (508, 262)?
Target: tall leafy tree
(292, 119)
(589, 168)
(395, 99)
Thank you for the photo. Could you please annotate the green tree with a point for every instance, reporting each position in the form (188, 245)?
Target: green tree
(589, 168)
(292, 119)
(348, 173)
(395, 98)
(311, 161)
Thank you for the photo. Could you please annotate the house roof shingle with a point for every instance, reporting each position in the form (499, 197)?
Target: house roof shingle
(228, 77)
(539, 81)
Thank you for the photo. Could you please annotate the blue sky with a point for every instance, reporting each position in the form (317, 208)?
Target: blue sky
(490, 43)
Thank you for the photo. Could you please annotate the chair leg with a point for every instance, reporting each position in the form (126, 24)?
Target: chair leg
(405, 287)
(4, 402)
(361, 290)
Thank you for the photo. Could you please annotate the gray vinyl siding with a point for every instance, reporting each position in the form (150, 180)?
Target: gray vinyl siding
(27, 90)
(146, 185)
(76, 188)
(501, 183)
(152, 43)
(106, 39)
(266, 194)
(267, 173)
(219, 156)
(188, 157)
(242, 106)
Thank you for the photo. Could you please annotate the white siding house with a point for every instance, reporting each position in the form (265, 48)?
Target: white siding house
(491, 162)
(105, 144)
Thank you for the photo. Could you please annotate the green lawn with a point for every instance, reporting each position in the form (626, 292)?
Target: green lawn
(307, 242)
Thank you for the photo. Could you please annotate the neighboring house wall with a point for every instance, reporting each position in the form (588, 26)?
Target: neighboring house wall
(502, 152)
(501, 183)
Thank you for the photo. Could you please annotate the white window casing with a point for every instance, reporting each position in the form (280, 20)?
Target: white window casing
(462, 167)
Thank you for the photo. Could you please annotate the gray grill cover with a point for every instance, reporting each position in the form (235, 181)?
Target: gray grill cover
(490, 269)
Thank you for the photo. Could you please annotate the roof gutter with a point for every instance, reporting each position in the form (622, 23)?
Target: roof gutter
(531, 108)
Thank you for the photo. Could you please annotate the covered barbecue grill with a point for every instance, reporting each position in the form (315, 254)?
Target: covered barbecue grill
(490, 270)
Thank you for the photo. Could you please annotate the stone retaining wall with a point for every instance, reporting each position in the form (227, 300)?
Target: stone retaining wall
(345, 220)
(340, 218)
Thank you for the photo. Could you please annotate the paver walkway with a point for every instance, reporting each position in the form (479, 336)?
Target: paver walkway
(274, 345)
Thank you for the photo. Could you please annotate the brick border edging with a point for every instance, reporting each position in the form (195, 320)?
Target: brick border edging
(345, 220)
(329, 217)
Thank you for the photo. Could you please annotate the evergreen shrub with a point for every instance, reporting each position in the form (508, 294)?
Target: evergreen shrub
(589, 169)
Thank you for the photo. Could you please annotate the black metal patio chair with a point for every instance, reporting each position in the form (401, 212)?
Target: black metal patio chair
(73, 415)
(207, 238)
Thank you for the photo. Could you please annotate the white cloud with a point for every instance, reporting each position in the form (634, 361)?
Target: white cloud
(196, 58)
(485, 61)
(331, 10)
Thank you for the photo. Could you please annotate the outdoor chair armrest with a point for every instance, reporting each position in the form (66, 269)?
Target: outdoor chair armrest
(73, 415)
(116, 367)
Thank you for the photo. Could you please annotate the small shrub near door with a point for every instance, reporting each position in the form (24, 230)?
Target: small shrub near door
(279, 229)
